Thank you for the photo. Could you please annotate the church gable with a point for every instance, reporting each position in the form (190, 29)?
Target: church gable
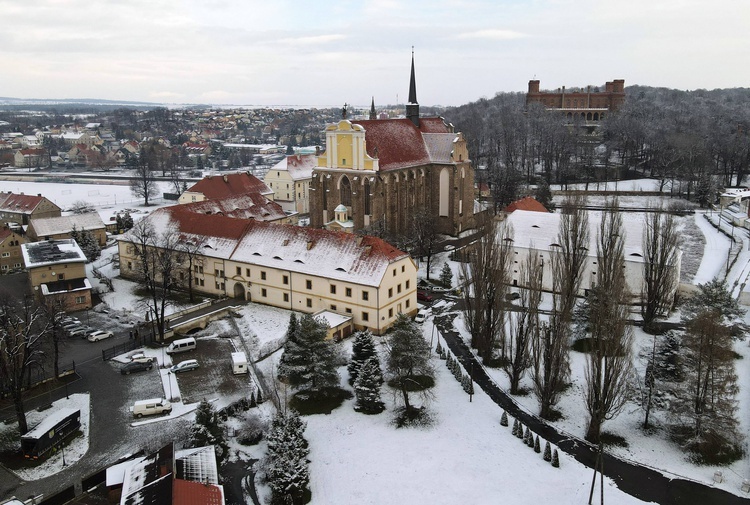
(345, 148)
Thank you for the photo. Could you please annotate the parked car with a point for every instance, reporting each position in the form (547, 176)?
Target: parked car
(151, 407)
(141, 358)
(79, 331)
(98, 335)
(421, 316)
(136, 366)
(184, 366)
(423, 297)
(70, 324)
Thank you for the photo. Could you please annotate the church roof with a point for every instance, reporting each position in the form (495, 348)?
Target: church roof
(226, 185)
(247, 206)
(398, 143)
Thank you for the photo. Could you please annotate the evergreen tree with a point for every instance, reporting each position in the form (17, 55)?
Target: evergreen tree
(363, 348)
(287, 473)
(514, 432)
(127, 221)
(555, 459)
(547, 452)
(504, 419)
(526, 436)
(408, 358)
(537, 447)
(209, 430)
(309, 359)
(446, 276)
(519, 432)
(120, 226)
(367, 387)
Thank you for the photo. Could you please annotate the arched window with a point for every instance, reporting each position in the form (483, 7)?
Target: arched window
(366, 189)
(444, 206)
(345, 189)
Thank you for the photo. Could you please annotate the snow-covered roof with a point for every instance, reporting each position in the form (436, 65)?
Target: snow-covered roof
(49, 422)
(320, 253)
(47, 226)
(299, 166)
(24, 204)
(332, 318)
(51, 252)
(247, 206)
(439, 146)
(198, 464)
(541, 230)
(230, 185)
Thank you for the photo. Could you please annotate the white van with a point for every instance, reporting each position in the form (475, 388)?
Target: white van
(181, 345)
(151, 407)
(239, 363)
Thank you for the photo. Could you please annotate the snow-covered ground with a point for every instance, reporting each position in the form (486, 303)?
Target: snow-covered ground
(629, 185)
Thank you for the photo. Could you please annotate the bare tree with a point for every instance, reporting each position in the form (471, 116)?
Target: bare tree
(142, 184)
(524, 324)
(21, 335)
(425, 237)
(53, 307)
(660, 275)
(190, 249)
(487, 273)
(159, 259)
(609, 360)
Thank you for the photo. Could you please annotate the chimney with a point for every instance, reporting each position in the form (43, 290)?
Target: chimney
(359, 240)
(225, 179)
(309, 244)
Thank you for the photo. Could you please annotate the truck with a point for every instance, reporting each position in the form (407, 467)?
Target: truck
(50, 433)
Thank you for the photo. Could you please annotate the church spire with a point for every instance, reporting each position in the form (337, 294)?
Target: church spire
(412, 107)
(373, 114)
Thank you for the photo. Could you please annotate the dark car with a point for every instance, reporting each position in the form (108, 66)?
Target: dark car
(423, 297)
(136, 366)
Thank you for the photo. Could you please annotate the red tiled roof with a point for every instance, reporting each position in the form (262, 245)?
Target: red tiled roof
(5, 233)
(432, 125)
(32, 152)
(19, 203)
(185, 492)
(235, 184)
(247, 206)
(525, 203)
(204, 224)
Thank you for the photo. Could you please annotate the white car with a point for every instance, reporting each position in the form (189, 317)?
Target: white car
(421, 316)
(184, 366)
(141, 358)
(98, 335)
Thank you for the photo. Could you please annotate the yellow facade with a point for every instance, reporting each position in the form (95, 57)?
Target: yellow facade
(346, 148)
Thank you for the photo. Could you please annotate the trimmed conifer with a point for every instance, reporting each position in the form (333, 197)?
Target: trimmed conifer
(363, 348)
(519, 433)
(555, 459)
(504, 419)
(537, 447)
(547, 452)
(514, 432)
(367, 388)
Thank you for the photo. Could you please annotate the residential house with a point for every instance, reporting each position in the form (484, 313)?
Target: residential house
(216, 187)
(20, 208)
(29, 158)
(54, 228)
(302, 269)
(537, 232)
(11, 259)
(290, 181)
(525, 203)
(57, 269)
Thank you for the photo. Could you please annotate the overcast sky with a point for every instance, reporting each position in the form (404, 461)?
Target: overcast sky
(306, 52)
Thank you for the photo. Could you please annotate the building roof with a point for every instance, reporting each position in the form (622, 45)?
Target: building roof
(321, 253)
(526, 203)
(333, 319)
(19, 203)
(236, 184)
(51, 252)
(247, 206)
(47, 226)
(185, 492)
(197, 464)
(398, 143)
(299, 166)
(50, 422)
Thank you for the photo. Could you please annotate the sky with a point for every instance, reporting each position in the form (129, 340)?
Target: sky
(284, 52)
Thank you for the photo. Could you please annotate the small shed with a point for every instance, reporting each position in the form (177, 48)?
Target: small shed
(340, 326)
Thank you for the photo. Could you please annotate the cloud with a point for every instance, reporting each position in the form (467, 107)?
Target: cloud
(492, 35)
(314, 39)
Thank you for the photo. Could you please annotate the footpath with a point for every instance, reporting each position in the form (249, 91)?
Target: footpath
(642, 482)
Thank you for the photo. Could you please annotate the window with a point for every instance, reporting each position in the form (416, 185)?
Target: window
(200, 269)
(407, 303)
(4, 267)
(130, 265)
(16, 265)
(333, 307)
(80, 299)
(398, 288)
(365, 316)
(263, 292)
(390, 312)
(390, 292)
(333, 289)
(285, 279)
(309, 302)
(346, 191)
(365, 295)
(6, 254)
(197, 280)
(406, 285)
(263, 276)
(286, 297)
(60, 277)
(394, 272)
(348, 292)
(403, 268)
(195, 268)
(348, 310)
(308, 284)
(239, 270)
(247, 272)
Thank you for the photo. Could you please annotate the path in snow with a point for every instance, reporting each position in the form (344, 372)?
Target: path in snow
(714, 254)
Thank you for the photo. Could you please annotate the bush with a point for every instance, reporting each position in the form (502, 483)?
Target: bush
(252, 430)
(416, 417)
(322, 401)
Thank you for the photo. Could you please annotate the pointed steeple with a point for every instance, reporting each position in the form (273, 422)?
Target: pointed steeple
(373, 114)
(412, 107)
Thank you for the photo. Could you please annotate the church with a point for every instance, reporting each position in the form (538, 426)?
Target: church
(376, 175)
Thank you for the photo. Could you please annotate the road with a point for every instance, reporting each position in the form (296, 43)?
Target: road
(642, 482)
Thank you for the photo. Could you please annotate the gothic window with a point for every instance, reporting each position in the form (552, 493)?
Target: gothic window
(444, 192)
(346, 191)
(366, 188)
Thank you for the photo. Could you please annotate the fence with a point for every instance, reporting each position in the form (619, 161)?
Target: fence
(37, 375)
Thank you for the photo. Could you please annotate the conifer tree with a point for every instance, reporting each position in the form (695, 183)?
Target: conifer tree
(127, 221)
(363, 348)
(537, 447)
(519, 432)
(309, 359)
(446, 276)
(209, 430)
(504, 419)
(514, 432)
(555, 459)
(288, 473)
(547, 452)
(367, 387)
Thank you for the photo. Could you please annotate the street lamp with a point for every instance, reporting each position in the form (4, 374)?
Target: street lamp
(169, 379)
